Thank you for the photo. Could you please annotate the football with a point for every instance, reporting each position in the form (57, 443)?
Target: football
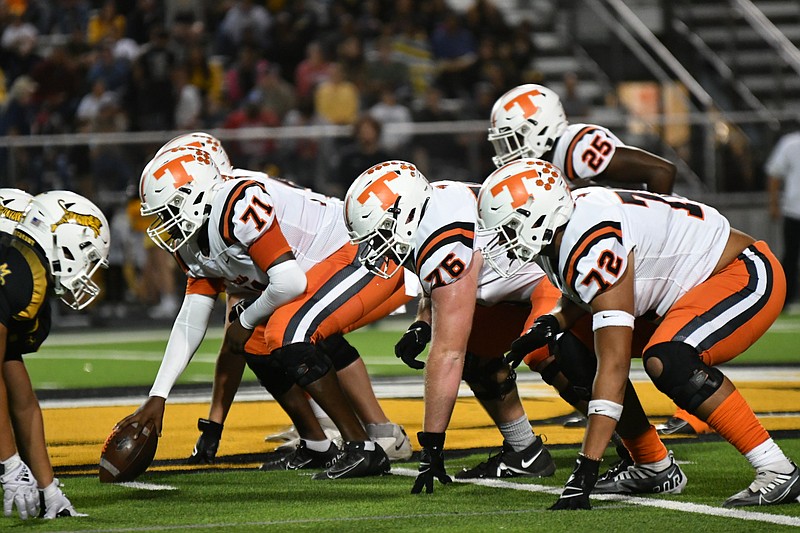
(124, 458)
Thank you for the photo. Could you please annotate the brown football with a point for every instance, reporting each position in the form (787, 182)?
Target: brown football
(124, 458)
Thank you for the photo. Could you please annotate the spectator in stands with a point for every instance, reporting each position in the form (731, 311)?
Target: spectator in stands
(152, 84)
(783, 172)
(484, 19)
(434, 149)
(350, 55)
(384, 70)
(299, 157)
(363, 151)
(105, 23)
(16, 119)
(70, 16)
(251, 153)
(140, 22)
(111, 168)
(244, 23)
(89, 106)
(240, 78)
(336, 100)
(276, 95)
(521, 52)
(18, 49)
(455, 52)
(111, 70)
(412, 47)
(574, 104)
(389, 111)
(312, 71)
(188, 100)
(204, 74)
(58, 82)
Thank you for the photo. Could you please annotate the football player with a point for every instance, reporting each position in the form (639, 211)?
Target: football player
(529, 121)
(350, 368)
(401, 220)
(710, 291)
(252, 235)
(59, 243)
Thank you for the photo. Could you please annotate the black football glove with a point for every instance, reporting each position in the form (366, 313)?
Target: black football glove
(237, 309)
(579, 485)
(544, 331)
(205, 451)
(431, 462)
(412, 343)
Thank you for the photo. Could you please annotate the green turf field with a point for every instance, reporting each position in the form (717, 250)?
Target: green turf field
(127, 359)
(248, 500)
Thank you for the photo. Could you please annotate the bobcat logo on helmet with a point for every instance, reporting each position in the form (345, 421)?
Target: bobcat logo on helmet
(71, 217)
(525, 122)
(522, 204)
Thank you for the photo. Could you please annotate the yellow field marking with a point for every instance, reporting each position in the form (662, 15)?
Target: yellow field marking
(76, 435)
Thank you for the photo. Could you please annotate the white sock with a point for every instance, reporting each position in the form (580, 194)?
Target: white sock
(518, 433)
(318, 411)
(658, 466)
(769, 456)
(318, 445)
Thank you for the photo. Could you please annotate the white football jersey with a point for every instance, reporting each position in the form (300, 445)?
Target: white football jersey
(446, 240)
(254, 219)
(583, 151)
(676, 244)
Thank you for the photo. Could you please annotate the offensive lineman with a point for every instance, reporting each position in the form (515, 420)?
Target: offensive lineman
(711, 291)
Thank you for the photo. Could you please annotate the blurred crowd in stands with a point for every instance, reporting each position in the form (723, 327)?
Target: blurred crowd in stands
(106, 66)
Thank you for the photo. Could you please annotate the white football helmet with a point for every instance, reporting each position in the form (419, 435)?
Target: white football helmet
(74, 234)
(382, 211)
(13, 203)
(176, 187)
(205, 141)
(522, 204)
(525, 122)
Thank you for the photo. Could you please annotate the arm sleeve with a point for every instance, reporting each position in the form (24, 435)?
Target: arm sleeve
(187, 334)
(287, 281)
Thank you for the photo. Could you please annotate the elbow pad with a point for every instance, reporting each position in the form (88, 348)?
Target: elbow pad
(287, 281)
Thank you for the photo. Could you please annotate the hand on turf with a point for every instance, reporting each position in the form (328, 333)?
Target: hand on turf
(543, 332)
(431, 462)
(19, 489)
(413, 343)
(56, 504)
(205, 451)
(579, 485)
(151, 411)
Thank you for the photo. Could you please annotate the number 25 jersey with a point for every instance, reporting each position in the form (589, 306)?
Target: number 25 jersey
(676, 244)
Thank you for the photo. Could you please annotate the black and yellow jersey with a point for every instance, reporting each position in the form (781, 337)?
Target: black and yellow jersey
(25, 286)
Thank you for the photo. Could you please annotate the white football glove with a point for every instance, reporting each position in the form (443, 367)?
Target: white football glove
(56, 503)
(19, 488)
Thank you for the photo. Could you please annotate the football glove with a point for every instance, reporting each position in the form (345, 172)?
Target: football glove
(237, 309)
(205, 451)
(579, 485)
(19, 488)
(412, 343)
(55, 503)
(431, 462)
(543, 332)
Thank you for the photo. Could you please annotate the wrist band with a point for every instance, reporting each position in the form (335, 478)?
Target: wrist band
(613, 317)
(605, 408)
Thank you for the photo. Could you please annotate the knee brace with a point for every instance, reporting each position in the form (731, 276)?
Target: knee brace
(577, 363)
(340, 352)
(684, 377)
(490, 381)
(303, 362)
(270, 374)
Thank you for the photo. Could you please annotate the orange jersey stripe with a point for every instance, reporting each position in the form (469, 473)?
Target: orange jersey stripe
(226, 224)
(432, 243)
(570, 170)
(599, 232)
(270, 246)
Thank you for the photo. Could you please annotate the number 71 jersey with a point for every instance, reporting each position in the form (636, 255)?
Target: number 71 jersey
(676, 244)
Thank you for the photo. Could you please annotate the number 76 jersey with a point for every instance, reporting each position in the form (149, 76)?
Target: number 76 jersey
(676, 244)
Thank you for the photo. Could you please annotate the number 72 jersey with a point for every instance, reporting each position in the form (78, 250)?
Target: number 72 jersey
(676, 244)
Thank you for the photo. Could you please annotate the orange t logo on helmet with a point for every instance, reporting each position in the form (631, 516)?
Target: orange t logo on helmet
(381, 190)
(525, 102)
(516, 187)
(176, 169)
